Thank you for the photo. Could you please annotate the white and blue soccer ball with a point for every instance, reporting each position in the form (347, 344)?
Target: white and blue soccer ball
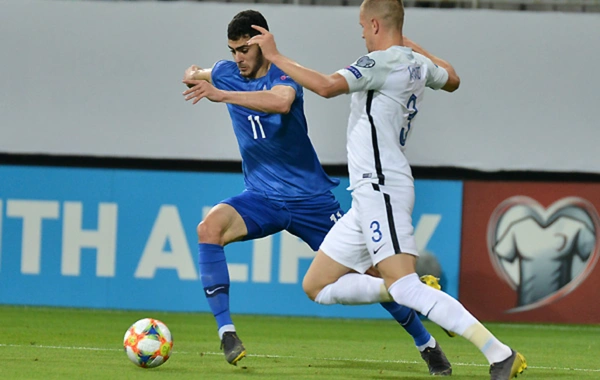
(148, 343)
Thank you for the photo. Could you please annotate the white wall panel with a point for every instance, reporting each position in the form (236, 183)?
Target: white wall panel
(103, 79)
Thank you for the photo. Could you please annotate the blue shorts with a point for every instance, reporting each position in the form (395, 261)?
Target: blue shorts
(309, 219)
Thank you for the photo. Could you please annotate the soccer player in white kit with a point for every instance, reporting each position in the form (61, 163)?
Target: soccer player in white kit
(387, 86)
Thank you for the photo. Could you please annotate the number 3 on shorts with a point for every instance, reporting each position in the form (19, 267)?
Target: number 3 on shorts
(376, 231)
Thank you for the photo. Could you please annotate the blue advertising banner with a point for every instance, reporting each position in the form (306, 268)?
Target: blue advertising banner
(126, 239)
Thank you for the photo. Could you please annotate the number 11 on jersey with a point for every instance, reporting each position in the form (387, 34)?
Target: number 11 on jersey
(257, 119)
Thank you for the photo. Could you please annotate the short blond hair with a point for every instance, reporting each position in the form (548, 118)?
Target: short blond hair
(389, 12)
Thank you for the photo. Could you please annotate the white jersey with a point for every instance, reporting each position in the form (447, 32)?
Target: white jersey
(387, 88)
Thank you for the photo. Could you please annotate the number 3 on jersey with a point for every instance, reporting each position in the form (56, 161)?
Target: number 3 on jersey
(257, 119)
(412, 109)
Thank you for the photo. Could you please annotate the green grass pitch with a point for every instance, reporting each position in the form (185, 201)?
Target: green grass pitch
(57, 343)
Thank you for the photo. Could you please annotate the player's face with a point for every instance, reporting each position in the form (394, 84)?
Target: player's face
(367, 30)
(249, 58)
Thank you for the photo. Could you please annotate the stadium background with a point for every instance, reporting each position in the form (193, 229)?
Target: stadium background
(106, 170)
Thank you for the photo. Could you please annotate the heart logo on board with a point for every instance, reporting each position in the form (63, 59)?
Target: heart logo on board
(543, 254)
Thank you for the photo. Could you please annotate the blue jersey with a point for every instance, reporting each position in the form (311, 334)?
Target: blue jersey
(278, 158)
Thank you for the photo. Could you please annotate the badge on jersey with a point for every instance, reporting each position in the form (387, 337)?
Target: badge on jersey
(365, 62)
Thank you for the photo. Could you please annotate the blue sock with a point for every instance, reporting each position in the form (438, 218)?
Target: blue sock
(411, 322)
(215, 280)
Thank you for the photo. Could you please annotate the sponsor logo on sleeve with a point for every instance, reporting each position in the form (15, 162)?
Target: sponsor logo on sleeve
(354, 71)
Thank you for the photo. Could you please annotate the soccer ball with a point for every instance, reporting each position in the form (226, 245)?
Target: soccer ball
(148, 343)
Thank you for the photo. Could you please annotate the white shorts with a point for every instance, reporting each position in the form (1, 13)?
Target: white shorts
(377, 226)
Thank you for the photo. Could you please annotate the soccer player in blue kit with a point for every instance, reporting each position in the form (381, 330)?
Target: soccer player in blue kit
(286, 187)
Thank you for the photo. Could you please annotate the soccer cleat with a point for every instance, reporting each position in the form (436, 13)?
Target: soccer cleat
(436, 361)
(232, 347)
(508, 368)
(434, 282)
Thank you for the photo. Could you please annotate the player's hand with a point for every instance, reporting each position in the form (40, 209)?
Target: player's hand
(189, 72)
(408, 42)
(266, 41)
(200, 89)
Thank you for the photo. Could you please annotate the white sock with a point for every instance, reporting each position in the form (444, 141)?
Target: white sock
(224, 329)
(494, 350)
(448, 313)
(429, 344)
(354, 289)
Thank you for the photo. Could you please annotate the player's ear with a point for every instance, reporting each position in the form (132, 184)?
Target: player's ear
(375, 25)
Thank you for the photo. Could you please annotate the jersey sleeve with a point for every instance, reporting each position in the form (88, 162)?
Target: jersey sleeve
(216, 74)
(369, 72)
(283, 80)
(436, 76)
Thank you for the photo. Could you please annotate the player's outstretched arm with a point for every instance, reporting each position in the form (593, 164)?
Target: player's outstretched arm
(279, 99)
(196, 73)
(323, 85)
(453, 79)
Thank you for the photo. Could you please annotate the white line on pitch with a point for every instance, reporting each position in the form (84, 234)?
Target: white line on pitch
(288, 357)
(589, 328)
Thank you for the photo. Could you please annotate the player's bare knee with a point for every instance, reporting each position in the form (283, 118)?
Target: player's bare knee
(210, 232)
(310, 288)
(312, 293)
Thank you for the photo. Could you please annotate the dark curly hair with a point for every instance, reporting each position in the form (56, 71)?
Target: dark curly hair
(241, 25)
